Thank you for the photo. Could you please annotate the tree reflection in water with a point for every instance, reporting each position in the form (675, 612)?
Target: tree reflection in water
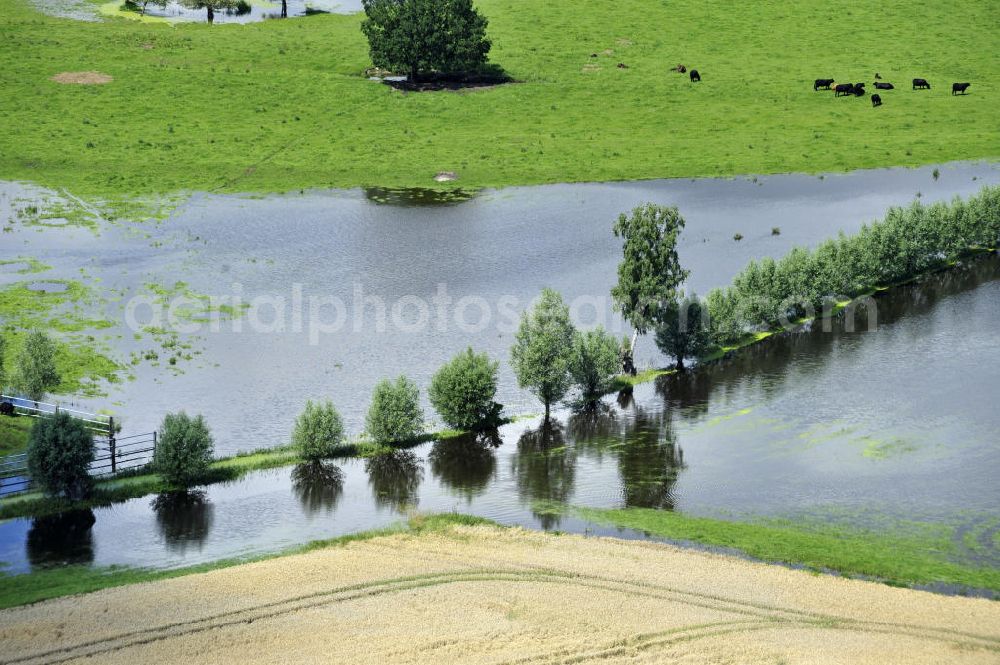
(395, 479)
(318, 486)
(649, 462)
(545, 470)
(61, 539)
(466, 464)
(184, 518)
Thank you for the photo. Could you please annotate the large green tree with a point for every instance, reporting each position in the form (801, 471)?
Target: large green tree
(543, 349)
(650, 272)
(36, 366)
(422, 36)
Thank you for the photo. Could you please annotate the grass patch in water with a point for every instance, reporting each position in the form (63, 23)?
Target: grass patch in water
(70, 580)
(894, 558)
(31, 265)
(623, 381)
(82, 361)
(881, 449)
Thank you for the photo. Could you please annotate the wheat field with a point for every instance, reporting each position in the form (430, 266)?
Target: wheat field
(487, 595)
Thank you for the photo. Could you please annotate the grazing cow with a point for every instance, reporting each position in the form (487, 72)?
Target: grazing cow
(876, 101)
(859, 89)
(959, 88)
(843, 89)
(695, 76)
(680, 68)
(921, 84)
(822, 83)
(883, 86)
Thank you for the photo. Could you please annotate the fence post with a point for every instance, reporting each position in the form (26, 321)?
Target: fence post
(111, 443)
(154, 443)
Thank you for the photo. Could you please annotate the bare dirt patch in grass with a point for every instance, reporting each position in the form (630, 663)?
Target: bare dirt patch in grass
(83, 78)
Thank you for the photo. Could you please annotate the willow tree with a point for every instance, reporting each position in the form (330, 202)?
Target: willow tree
(650, 272)
(543, 349)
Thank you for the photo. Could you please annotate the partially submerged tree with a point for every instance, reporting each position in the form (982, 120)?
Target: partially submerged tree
(541, 354)
(36, 372)
(463, 390)
(60, 451)
(683, 330)
(184, 449)
(212, 6)
(650, 272)
(319, 430)
(594, 362)
(422, 36)
(395, 415)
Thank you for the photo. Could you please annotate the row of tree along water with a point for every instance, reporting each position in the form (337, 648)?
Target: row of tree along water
(907, 243)
(554, 360)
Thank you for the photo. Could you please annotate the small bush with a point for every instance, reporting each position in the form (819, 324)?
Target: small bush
(594, 362)
(184, 449)
(319, 431)
(395, 414)
(462, 391)
(60, 451)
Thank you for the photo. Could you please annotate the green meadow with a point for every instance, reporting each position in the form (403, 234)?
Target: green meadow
(285, 104)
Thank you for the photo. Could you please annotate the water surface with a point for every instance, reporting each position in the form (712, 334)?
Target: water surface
(495, 251)
(871, 429)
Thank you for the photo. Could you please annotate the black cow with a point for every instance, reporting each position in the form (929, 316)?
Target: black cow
(876, 101)
(695, 76)
(921, 84)
(843, 89)
(859, 89)
(6, 409)
(959, 88)
(879, 85)
(822, 83)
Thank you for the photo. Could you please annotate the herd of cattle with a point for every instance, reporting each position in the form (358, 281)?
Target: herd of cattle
(858, 89)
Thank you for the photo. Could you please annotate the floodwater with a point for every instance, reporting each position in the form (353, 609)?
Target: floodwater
(352, 286)
(868, 428)
(255, 10)
(347, 287)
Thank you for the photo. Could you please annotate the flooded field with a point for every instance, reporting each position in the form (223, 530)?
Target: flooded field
(870, 429)
(245, 12)
(333, 291)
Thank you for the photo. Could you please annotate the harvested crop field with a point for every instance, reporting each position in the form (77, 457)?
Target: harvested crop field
(488, 595)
